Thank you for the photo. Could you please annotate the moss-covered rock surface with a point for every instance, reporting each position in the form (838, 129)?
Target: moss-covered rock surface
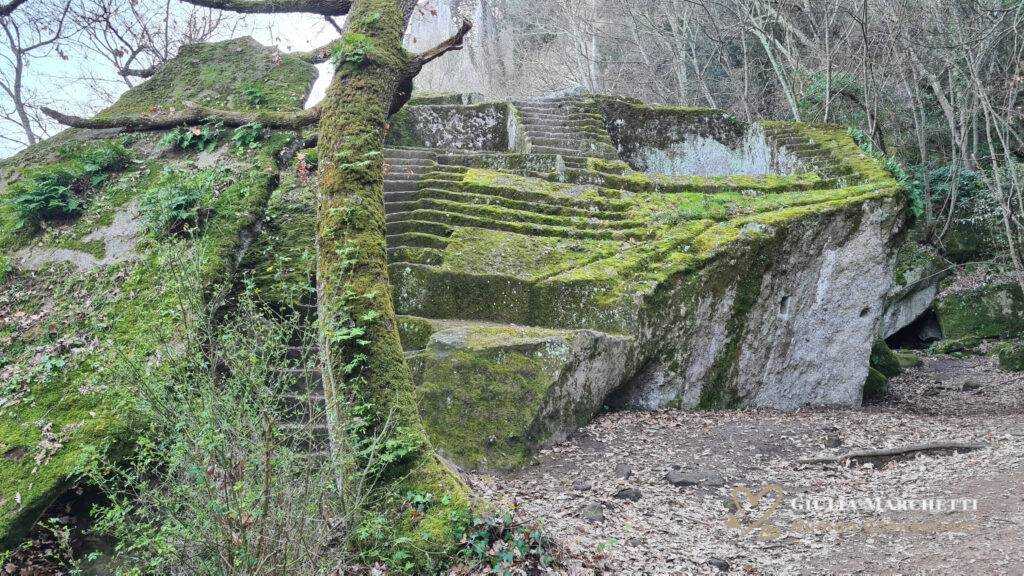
(92, 285)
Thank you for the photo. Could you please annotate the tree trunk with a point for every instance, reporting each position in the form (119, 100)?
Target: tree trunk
(373, 412)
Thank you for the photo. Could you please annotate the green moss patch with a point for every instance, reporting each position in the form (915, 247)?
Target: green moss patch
(993, 310)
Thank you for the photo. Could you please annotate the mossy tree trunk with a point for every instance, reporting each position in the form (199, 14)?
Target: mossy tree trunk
(366, 379)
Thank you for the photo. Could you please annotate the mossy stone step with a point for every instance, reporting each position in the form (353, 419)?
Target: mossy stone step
(560, 142)
(549, 123)
(612, 212)
(442, 223)
(442, 176)
(433, 228)
(408, 153)
(504, 214)
(402, 177)
(399, 195)
(559, 151)
(416, 161)
(417, 240)
(394, 187)
(395, 207)
(492, 395)
(415, 255)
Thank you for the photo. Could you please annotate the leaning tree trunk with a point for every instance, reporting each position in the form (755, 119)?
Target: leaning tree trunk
(375, 421)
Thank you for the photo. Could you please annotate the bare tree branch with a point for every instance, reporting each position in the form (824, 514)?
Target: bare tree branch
(322, 7)
(404, 92)
(334, 24)
(139, 72)
(6, 9)
(192, 116)
(449, 45)
(317, 55)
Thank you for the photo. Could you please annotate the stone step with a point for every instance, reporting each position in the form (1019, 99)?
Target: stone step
(418, 240)
(555, 150)
(390, 171)
(417, 161)
(304, 407)
(564, 143)
(400, 186)
(444, 176)
(541, 109)
(420, 219)
(532, 122)
(597, 220)
(305, 437)
(301, 379)
(393, 207)
(420, 226)
(408, 153)
(544, 133)
(607, 211)
(540, 114)
(537, 202)
(399, 195)
(415, 255)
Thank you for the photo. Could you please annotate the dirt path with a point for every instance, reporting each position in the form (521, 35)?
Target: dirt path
(653, 493)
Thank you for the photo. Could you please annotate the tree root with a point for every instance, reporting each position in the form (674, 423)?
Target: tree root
(895, 453)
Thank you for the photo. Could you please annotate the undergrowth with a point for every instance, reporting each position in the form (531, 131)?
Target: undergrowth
(179, 201)
(223, 480)
(61, 190)
(203, 138)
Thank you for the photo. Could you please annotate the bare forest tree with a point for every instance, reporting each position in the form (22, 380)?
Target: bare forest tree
(137, 37)
(30, 33)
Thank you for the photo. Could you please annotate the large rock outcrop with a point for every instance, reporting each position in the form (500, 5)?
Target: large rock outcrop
(89, 291)
(542, 269)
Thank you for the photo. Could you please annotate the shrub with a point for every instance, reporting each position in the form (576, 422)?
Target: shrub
(58, 190)
(202, 138)
(502, 545)
(178, 201)
(219, 483)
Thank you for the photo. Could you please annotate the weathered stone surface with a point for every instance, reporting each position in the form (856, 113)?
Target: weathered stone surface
(492, 394)
(756, 332)
(118, 239)
(81, 296)
(454, 127)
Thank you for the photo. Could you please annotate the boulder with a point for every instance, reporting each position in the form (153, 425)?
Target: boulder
(1011, 356)
(917, 278)
(991, 306)
(491, 395)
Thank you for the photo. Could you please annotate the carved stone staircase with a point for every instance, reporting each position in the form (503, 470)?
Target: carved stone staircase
(564, 127)
(814, 155)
